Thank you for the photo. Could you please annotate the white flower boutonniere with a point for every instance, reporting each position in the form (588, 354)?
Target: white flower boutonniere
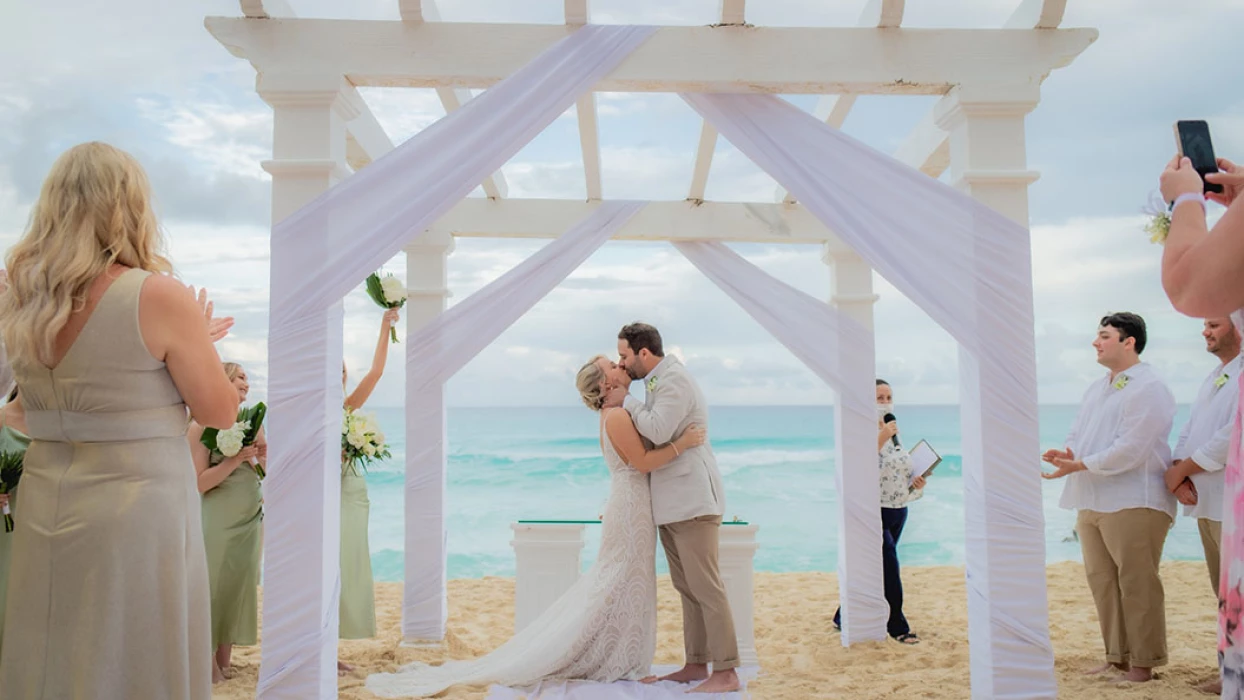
(1121, 381)
(652, 383)
(1221, 381)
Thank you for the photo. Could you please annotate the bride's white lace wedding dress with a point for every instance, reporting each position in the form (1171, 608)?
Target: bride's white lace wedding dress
(603, 629)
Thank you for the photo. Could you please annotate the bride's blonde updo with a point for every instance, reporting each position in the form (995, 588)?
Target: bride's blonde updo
(590, 380)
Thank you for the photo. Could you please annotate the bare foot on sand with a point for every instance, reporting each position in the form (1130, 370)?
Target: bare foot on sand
(649, 679)
(1213, 687)
(1107, 667)
(687, 674)
(720, 682)
(343, 668)
(217, 675)
(1137, 674)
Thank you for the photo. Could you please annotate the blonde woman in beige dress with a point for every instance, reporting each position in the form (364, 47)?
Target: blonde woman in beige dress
(232, 535)
(108, 593)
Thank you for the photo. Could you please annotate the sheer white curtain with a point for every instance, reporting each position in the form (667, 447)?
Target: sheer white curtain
(321, 252)
(969, 268)
(440, 349)
(839, 350)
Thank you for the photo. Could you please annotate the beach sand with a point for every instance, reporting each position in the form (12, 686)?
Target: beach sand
(802, 656)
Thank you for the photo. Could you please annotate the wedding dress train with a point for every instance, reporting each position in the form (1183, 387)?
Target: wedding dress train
(602, 629)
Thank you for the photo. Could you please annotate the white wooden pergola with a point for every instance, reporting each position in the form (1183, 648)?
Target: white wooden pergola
(988, 79)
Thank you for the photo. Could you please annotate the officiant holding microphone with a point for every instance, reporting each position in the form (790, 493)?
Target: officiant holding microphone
(897, 490)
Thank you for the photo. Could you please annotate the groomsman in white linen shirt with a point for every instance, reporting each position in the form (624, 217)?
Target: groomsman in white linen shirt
(1115, 461)
(1196, 476)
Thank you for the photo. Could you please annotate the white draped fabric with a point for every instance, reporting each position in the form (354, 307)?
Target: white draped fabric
(319, 253)
(840, 351)
(969, 268)
(436, 352)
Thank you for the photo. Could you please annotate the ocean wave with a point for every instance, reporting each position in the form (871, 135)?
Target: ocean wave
(732, 462)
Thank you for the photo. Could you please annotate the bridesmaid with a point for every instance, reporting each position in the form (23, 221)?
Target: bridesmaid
(108, 591)
(232, 518)
(13, 438)
(358, 603)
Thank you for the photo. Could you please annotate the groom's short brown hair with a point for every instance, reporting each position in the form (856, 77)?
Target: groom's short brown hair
(640, 336)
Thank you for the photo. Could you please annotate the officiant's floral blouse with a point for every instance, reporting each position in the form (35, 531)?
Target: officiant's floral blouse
(895, 477)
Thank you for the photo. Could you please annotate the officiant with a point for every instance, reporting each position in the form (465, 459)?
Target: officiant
(897, 490)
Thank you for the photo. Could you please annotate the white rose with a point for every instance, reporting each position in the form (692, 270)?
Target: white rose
(356, 440)
(394, 290)
(229, 442)
(370, 424)
(378, 437)
(369, 450)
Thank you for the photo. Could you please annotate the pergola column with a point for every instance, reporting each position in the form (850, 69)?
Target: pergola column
(860, 580)
(425, 607)
(309, 140)
(987, 160)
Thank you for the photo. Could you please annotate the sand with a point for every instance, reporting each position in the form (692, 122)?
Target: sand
(802, 656)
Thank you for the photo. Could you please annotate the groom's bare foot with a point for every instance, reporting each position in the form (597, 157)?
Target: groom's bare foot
(687, 674)
(720, 682)
(1137, 674)
(1107, 667)
(1213, 687)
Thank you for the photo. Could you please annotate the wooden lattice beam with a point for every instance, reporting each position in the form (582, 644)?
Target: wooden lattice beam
(786, 60)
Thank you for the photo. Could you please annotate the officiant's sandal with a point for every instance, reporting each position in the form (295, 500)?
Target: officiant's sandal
(909, 638)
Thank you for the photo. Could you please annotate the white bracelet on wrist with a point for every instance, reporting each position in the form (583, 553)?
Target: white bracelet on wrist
(1188, 197)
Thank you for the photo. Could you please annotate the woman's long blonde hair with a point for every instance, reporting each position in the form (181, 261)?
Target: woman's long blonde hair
(94, 211)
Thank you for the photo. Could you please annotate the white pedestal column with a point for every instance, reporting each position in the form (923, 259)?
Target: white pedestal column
(300, 611)
(425, 608)
(987, 160)
(548, 559)
(736, 556)
(861, 586)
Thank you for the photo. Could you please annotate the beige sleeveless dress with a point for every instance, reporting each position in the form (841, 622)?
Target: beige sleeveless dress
(108, 590)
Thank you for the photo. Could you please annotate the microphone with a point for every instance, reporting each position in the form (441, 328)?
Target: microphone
(889, 418)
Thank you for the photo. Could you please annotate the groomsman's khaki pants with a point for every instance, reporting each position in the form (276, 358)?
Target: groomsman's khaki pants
(707, 623)
(1211, 539)
(1121, 555)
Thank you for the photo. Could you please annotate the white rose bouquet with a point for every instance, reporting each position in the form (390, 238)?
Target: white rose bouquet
(10, 473)
(243, 433)
(362, 440)
(388, 292)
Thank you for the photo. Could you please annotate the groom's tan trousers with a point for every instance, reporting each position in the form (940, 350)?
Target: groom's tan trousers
(707, 623)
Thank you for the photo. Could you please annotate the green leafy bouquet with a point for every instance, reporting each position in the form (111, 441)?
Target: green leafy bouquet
(229, 442)
(10, 473)
(362, 440)
(388, 293)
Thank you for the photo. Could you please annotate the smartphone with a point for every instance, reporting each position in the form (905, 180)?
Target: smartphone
(1192, 139)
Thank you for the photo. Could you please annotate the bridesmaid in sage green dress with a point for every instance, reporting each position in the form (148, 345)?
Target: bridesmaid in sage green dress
(357, 610)
(232, 531)
(13, 438)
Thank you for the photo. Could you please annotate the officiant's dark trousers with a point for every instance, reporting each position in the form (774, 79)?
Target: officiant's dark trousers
(707, 623)
(892, 522)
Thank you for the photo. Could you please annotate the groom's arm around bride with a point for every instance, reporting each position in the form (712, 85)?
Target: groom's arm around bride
(687, 505)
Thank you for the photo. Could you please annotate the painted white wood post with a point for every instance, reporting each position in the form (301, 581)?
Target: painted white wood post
(736, 556)
(308, 157)
(987, 160)
(861, 585)
(548, 560)
(425, 608)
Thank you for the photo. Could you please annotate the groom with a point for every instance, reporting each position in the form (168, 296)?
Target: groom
(687, 504)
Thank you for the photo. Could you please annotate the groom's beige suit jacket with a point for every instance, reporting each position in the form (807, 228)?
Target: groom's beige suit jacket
(689, 486)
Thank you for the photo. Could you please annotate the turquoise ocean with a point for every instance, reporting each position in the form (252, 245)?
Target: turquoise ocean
(510, 464)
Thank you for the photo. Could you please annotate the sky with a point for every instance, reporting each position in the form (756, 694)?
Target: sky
(146, 76)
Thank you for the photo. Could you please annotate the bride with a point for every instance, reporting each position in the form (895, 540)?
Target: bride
(604, 628)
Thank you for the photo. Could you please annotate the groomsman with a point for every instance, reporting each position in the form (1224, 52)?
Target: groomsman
(1196, 475)
(1115, 459)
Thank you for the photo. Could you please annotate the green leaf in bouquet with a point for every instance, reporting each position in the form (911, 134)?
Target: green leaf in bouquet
(375, 290)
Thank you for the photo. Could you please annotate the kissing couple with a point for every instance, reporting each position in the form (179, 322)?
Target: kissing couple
(663, 477)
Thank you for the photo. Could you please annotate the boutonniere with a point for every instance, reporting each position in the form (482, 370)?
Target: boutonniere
(1121, 381)
(652, 383)
(1221, 381)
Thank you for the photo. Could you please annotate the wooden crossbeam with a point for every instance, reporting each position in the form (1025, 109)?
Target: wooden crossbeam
(927, 147)
(833, 109)
(679, 221)
(703, 161)
(786, 60)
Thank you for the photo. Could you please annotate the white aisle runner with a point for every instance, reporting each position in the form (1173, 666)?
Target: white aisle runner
(622, 690)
